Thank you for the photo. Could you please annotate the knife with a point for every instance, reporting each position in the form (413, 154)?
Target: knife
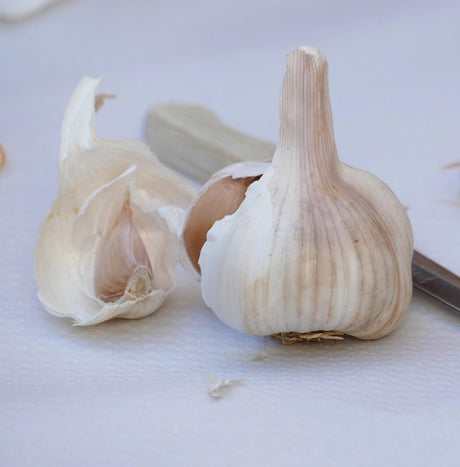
(434, 280)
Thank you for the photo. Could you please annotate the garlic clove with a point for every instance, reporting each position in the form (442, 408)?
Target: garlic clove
(194, 141)
(220, 197)
(122, 264)
(110, 244)
(126, 255)
(223, 198)
(315, 245)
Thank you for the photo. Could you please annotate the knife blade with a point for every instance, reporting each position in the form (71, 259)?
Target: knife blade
(434, 280)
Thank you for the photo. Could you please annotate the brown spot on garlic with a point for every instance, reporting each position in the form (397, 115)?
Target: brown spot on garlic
(219, 200)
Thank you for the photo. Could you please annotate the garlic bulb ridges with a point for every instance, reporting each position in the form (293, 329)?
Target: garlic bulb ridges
(315, 245)
(110, 244)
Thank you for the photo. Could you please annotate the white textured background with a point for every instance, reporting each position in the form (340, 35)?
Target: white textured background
(134, 392)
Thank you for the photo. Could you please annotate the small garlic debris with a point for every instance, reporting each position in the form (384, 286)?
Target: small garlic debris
(453, 165)
(220, 388)
(260, 357)
(305, 247)
(100, 99)
(2, 157)
(110, 244)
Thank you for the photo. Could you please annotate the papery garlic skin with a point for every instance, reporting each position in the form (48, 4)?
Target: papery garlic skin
(316, 245)
(109, 246)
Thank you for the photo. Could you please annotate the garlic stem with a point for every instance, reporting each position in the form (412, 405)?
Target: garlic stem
(306, 133)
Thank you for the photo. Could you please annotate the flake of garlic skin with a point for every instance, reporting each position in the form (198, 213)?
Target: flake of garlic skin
(110, 245)
(220, 388)
(315, 245)
(453, 165)
(260, 357)
(3, 157)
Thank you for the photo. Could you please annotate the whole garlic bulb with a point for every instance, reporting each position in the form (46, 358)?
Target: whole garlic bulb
(109, 246)
(305, 243)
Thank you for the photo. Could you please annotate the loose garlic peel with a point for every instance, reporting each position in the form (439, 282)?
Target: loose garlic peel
(109, 246)
(315, 245)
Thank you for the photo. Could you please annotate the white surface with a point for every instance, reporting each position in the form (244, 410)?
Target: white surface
(135, 392)
(20, 10)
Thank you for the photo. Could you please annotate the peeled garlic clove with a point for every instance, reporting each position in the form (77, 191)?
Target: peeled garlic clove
(221, 196)
(194, 141)
(315, 245)
(109, 246)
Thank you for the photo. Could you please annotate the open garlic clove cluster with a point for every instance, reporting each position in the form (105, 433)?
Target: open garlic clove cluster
(109, 246)
(305, 243)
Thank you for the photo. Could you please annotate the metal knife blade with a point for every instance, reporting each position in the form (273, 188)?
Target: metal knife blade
(433, 279)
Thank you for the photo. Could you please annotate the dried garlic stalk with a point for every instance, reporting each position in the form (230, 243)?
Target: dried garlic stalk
(194, 141)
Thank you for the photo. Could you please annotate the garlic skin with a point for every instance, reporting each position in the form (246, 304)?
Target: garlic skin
(109, 246)
(315, 245)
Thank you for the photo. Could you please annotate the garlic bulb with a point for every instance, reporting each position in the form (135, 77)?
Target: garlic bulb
(313, 244)
(109, 246)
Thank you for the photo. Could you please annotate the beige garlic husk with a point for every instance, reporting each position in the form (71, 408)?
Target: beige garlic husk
(306, 243)
(110, 244)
